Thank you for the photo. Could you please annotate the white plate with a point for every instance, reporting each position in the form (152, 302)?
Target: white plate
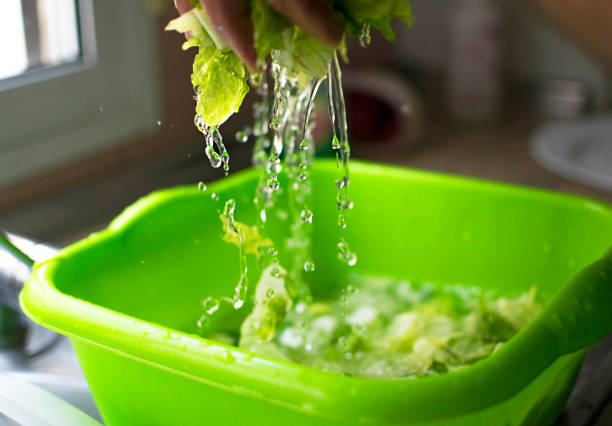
(578, 150)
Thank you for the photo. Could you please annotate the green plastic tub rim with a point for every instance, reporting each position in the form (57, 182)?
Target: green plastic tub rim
(577, 317)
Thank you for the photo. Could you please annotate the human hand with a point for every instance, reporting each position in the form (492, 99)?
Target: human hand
(232, 20)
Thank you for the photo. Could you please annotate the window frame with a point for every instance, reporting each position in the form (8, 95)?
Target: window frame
(53, 116)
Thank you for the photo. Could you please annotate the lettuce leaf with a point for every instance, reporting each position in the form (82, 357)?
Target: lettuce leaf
(189, 22)
(270, 29)
(388, 329)
(220, 77)
(289, 45)
(303, 54)
(376, 13)
(247, 237)
(272, 302)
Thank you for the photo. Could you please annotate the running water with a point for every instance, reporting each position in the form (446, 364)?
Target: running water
(213, 138)
(240, 291)
(212, 304)
(337, 113)
(282, 134)
(298, 160)
(365, 39)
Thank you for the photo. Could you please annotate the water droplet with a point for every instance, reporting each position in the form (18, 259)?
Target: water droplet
(238, 303)
(158, 122)
(101, 108)
(273, 184)
(365, 38)
(242, 136)
(213, 157)
(269, 293)
(214, 196)
(256, 79)
(274, 167)
(307, 215)
(275, 272)
(335, 143)
(272, 252)
(345, 254)
(202, 321)
(309, 266)
(304, 145)
(341, 221)
(211, 305)
(345, 205)
(201, 186)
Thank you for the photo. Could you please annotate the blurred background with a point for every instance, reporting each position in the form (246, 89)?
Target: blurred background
(96, 104)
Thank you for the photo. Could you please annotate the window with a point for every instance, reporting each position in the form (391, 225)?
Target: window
(37, 34)
(76, 77)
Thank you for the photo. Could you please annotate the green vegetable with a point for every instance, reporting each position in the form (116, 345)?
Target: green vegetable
(221, 81)
(271, 305)
(376, 13)
(386, 328)
(289, 45)
(220, 78)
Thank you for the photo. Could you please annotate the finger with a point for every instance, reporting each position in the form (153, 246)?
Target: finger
(232, 20)
(182, 6)
(314, 16)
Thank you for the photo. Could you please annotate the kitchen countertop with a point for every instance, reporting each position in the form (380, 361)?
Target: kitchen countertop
(493, 151)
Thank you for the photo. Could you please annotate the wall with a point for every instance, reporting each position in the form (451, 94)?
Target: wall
(536, 48)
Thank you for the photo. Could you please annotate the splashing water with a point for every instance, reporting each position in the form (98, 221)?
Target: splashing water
(240, 291)
(365, 38)
(340, 144)
(212, 139)
(283, 147)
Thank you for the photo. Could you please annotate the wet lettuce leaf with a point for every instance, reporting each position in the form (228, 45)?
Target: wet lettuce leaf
(245, 237)
(219, 76)
(289, 45)
(220, 79)
(383, 328)
(376, 13)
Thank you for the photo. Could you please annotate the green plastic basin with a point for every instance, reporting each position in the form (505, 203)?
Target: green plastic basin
(129, 298)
